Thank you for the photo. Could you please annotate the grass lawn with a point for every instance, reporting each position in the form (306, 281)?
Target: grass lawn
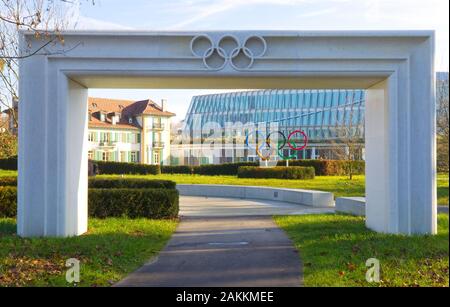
(339, 185)
(334, 250)
(110, 250)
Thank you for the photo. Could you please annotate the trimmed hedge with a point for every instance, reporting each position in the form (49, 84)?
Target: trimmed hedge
(111, 183)
(279, 172)
(321, 167)
(133, 203)
(103, 203)
(107, 167)
(330, 167)
(9, 164)
(177, 169)
(8, 202)
(226, 169)
(8, 181)
(129, 183)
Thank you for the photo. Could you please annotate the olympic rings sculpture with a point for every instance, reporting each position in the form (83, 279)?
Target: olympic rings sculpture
(228, 49)
(265, 146)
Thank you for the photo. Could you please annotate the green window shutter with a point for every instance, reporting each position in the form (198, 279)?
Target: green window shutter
(138, 138)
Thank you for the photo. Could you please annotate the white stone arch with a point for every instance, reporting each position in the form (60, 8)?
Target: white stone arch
(396, 67)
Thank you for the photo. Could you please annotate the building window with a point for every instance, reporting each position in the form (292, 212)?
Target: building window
(156, 158)
(91, 136)
(107, 156)
(90, 155)
(123, 155)
(134, 156)
(105, 137)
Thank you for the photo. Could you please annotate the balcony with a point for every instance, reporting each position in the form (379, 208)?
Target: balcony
(107, 144)
(158, 145)
(157, 126)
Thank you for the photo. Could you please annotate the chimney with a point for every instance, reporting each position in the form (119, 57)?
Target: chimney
(164, 105)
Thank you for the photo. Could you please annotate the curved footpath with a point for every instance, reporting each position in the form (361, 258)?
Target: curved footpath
(224, 242)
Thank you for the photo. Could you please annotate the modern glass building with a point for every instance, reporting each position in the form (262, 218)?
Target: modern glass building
(330, 118)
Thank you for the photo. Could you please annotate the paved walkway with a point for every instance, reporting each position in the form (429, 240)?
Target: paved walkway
(224, 242)
(223, 252)
(204, 206)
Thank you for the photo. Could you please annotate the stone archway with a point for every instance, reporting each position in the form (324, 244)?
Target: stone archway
(397, 68)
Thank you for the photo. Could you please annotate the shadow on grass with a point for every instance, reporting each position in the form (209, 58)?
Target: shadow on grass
(7, 227)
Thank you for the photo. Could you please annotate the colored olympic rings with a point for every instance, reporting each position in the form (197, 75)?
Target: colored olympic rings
(305, 140)
(266, 145)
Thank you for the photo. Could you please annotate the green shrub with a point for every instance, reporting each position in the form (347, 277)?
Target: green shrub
(8, 202)
(102, 203)
(129, 183)
(330, 167)
(133, 203)
(9, 164)
(226, 169)
(177, 169)
(108, 167)
(111, 183)
(279, 172)
(8, 181)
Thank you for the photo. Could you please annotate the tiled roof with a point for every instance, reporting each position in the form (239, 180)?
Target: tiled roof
(127, 108)
(146, 107)
(96, 123)
(107, 105)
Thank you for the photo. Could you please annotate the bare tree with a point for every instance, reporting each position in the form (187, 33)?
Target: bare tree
(43, 18)
(348, 144)
(442, 124)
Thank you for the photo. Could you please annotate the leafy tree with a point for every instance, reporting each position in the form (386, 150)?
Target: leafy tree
(8, 145)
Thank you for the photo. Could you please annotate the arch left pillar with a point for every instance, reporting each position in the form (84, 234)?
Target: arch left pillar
(53, 152)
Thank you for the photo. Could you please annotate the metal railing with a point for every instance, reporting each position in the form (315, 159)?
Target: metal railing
(107, 144)
(158, 144)
(158, 126)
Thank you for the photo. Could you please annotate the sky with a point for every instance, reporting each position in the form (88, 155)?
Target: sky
(261, 15)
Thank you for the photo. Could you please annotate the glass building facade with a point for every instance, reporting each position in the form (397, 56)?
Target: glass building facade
(326, 116)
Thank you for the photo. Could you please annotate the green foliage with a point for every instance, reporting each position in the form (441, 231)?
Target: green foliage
(8, 202)
(279, 172)
(111, 183)
(8, 181)
(9, 163)
(226, 169)
(129, 183)
(177, 169)
(133, 198)
(442, 153)
(8, 145)
(330, 167)
(108, 167)
(134, 203)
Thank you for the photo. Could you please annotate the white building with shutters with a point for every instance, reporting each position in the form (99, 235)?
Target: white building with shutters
(129, 131)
